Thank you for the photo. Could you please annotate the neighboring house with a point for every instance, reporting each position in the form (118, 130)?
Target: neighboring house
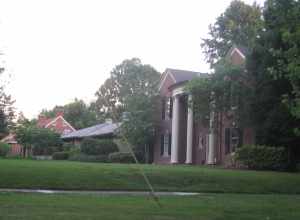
(103, 130)
(57, 124)
(15, 148)
(179, 137)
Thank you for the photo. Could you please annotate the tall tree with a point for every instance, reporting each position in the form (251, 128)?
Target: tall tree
(240, 24)
(132, 88)
(130, 78)
(275, 65)
(7, 110)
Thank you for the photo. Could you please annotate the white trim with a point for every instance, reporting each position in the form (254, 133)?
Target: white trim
(54, 120)
(238, 51)
(164, 78)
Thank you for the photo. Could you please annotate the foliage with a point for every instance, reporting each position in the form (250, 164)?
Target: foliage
(69, 146)
(273, 65)
(7, 110)
(77, 113)
(130, 78)
(140, 122)
(89, 158)
(93, 146)
(240, 24)
(262, 157)
(282, 37)
(120, 157)
(60, 155)
(131, 88)
(4, 149)
(226, 91)
(41, 140)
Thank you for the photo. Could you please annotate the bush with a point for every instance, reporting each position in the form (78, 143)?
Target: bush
(68, 146)
(120, 157)
(89, 158)
(60, 156)
(44, 150)
(4, 149)
(261, 157)
(92, 146)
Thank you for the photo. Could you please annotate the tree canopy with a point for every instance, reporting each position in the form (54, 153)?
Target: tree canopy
(130, 78)
(7, 110)
(240, 24)
(77, 113)
(131, 89)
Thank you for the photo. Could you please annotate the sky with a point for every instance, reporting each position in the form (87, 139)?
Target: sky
(58, 50)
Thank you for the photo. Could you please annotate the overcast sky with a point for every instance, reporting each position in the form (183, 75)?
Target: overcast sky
(57, 50)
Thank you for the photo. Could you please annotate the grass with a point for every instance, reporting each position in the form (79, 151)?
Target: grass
(205, 207)
(94, 176)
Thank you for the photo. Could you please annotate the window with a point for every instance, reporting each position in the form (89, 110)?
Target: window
(170, 107)
(165, 144)
(167, 105)
(233, 139)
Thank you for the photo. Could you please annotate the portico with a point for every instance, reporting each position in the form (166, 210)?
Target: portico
(180, 138)
(176, 95)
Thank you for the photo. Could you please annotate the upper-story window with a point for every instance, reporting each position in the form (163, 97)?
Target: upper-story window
(167, 106)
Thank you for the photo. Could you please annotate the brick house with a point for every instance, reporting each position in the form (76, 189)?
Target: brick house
(182, 139)
(57, 124)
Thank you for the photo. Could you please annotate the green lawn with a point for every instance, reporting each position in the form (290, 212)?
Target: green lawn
(95, 176)
(204, 207)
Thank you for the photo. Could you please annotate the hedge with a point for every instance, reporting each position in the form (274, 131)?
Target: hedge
(93, 146)
(262, 157)
(4, 149)
(120, 157)
(60, 156)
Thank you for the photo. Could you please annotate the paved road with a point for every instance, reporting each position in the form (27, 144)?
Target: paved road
(100, 193)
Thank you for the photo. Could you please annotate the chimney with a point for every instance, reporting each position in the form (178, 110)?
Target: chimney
(108, 121)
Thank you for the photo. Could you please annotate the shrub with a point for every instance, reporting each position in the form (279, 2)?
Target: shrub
(92, 146)
(44, 150)
(68, 146)
(4, 149)
(89, 158)
(262, 157)
(60, 155)
(120, 157)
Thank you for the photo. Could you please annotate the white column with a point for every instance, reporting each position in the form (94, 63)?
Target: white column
(189, 134)
(175, 130)
(211, 142)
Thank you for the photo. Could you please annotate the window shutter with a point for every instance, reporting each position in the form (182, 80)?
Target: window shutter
(161, 144)
(227, 140)
(170, 144)
(171, 107)
(163, 109)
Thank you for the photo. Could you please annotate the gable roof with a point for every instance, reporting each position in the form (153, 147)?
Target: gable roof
(62, 118)
(180, 76)
(44, 122)
(10, 139)
(93, 131)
